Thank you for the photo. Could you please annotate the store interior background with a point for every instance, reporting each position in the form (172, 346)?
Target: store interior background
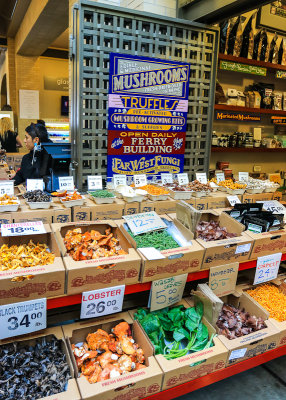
(36, 48)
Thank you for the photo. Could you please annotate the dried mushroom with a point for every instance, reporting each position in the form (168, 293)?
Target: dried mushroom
(212, 231)
(33, 372)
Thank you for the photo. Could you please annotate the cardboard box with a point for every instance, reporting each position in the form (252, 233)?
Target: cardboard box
(25, 214)
(108, 211)
(277, 196)
(194, 365)
(165, 206)
(147, 206)
(61, 214)
(45, 281)
(253, 198)
(225, 251)
(85, 275)
(191, 201)
(84, 212)
(180, 260)
(72, 392)
(6, 218)
(219, 200)
(131, 208)
(133, 385)
(202, 203)
(267, 243)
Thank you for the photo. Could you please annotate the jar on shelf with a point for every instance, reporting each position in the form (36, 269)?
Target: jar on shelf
(214, 139)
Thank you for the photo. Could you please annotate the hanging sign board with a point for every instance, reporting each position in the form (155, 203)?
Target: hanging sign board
(236, 116)
(147, 105)
(267, 268)
(222, 279)
(245, 68)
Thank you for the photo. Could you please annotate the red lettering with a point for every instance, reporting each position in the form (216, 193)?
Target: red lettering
(90, 297)
(118, 291)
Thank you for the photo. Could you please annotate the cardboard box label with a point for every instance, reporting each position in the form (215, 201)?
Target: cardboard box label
(267, 268)
(97, 303)
(22, 318)
(165, 292)
(222, 279)
(237, 353)
(243, 248)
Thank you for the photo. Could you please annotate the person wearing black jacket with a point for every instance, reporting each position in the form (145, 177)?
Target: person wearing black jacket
(33, 165)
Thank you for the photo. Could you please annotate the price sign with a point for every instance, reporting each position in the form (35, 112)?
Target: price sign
(7, 187)
(119, 180)
(220, 177)
(233, 200)
(243, 176)
(222, 279)
(274, 206)
(66, 183)
(267, 268)
(97, 303)
(144, 222)
(94, 182)
(183, 178)
(166, 178)
(34, 184)
(201, 177)
(140, 180)
(165, 292)
(22, 318)
(23, 228)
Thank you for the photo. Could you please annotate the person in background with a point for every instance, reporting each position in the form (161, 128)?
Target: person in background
(32, 166)
(41, 121)
(9, 140)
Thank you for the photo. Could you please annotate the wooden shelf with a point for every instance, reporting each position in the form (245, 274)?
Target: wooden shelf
(270, 67)
(246, 150)
(225, 107)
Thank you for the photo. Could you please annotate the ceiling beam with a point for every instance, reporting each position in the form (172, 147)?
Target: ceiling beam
(44, 21)
(17, 17)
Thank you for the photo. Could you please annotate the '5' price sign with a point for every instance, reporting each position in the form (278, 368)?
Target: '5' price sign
(140, 180)
(24, 317)
(166, 178)
(97, 303)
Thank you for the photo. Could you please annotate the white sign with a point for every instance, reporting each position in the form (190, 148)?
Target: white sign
(165, 292)
(202, 177)
(166, 178)
(23, 228)
(7, 187)
(274, 206)
(94, 182)
(267, 268)
(97, 303)
(140, 180)
(66, 183)
(22, 318)
(220, 177)
(233, 200)
(243, 176)
(237, 353)
(119, 180)
(34, 184)
(151, 253)
(29, 104)
(144, 222)
(183, 179)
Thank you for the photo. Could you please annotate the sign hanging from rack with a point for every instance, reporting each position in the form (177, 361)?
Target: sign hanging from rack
(236, 116)
(244, 68)
(148, 105)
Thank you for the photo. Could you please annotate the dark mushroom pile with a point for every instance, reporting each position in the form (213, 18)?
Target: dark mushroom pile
(37, 196)
(233, 322)
(212, 231)
(33, 372)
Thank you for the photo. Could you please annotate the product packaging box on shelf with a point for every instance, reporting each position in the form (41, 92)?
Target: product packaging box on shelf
(202, 203)
(255, 343)
(43, 280)
(25, 214)
(277, 196)
(147, 206)
(108, 211)
(131, 385)
(88, 275)
(72, 392)
(6, 218)
(191, 202)
(193, 365)
(221, 210)
(165, 206)
(266, 243)
(218, 200)
(225, 251)
(131, 208)
(253, 198)
(280, 325)
(61, 214)
(180, 260)
(84, 212)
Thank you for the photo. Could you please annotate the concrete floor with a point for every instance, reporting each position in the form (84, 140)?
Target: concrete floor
(266, 382)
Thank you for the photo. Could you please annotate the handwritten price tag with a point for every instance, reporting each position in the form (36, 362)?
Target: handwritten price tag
(140, 180)
(144, 222)
(166, 178)
(183, 178)
(34, 184)
(220, 177)
(274, 206)
(267, 268)
(233, 200)
(66, 183)
(243, 176)
(7, 187)
(201, 177)
(222, 279)
(94, 182)
(24, 228)
(24, 317)
(119, 180)
(97, 303)
(165, 292)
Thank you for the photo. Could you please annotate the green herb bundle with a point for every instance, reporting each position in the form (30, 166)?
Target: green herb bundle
(175, 325)
(101, 193)
(160, 239)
